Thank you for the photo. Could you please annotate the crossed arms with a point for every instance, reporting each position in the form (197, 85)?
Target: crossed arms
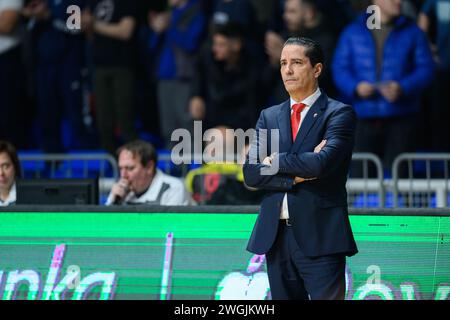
(336, 146)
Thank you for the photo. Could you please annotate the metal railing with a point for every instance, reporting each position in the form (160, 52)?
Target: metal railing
(425, 185)
(366, 186)
(68, 165)
(359, 190)
(82, 165)
(166, 165)
(432, 183)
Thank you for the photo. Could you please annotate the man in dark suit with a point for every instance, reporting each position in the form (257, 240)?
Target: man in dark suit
(303, 225)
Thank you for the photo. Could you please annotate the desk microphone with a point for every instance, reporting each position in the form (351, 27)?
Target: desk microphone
(117, 200)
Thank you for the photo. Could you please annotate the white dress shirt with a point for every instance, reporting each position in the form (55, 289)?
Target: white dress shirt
(309, 101)
(10, 41)
(11, 197)
(164, 190)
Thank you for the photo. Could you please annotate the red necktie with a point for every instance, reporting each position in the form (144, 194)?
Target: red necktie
(296, 118)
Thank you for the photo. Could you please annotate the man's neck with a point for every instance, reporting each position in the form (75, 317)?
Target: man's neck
(314, 22)
(232, 61)
(386, 19)
(4, 194)
(300, 96)
(144, 190)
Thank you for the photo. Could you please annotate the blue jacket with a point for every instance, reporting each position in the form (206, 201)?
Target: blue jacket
(317, 208)
(407, 59)
(180, 42)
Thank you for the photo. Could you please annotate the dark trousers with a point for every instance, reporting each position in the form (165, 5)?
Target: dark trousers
(60, 95)
(440, 113)
(114, 90)
(11, 94)
(387, 138)
(173, 104)
(293, 276)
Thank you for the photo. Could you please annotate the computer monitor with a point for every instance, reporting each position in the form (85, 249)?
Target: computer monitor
(57, 191)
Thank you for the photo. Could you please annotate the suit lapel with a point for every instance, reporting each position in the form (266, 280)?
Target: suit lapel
(284, 124)
(311, 117)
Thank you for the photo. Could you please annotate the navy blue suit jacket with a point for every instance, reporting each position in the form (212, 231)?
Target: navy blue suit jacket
(317, 208)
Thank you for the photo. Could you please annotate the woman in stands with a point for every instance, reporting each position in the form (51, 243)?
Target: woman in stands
(9, 171)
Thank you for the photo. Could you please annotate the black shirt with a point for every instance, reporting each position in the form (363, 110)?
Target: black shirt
(107, 51)
(231, 93)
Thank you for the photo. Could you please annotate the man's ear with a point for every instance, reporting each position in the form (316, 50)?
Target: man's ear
(236, 45)
(151, 167)
(318, 68)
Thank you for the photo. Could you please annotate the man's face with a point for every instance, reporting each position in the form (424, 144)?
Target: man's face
(176, 3)
(293, 15)
(221, 47)
(224, 48)
(7, 172)
(131, 169)
(296, 70)
(391, 8)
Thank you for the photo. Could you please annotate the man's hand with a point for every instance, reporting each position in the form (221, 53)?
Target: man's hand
(268, 160)
(87, 21)
(197, 108)
(391, 91)
(365, 89)
(317, 149)
(298, 180)
(274, 45)
(120, 190)
(159, 22)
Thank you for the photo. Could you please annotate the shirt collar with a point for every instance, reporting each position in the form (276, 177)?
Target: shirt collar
(309, 101)
(156, 181)
(11, 196)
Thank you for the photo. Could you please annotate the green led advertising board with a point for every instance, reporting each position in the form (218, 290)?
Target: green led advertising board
(159, 256)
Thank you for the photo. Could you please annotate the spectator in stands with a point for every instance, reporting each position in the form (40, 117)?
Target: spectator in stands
(243, 13)
(435, 19)
(10, 170)
(382, 73)
(140, 180)
(225, 86)
(111, 24)
(220, 180)
(302, 18)
(147, 114)
(234, 191)
(204, 181)
(10, 69)
(59, 65)
(409, 9)
(263, 12)
(338, 12)
(178, 35)
(237, 12)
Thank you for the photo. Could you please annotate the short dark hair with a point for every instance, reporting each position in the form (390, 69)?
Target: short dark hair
(230, 30)
(10, 150)
(313, 50)
(145, 150)
(311, 3)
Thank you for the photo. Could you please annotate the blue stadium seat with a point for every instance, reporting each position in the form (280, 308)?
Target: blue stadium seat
(370, 201)
(29, 168)
(85, 168)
